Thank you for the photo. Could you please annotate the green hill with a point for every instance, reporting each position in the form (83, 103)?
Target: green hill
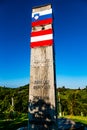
(72, 101)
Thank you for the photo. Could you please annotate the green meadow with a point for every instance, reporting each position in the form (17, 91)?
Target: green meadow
(22, 121)
(14, 106)
(80, 119)
(13, 124)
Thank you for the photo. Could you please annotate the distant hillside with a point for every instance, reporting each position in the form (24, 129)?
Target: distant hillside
(73, 101)
(69, 101)
(19, 96)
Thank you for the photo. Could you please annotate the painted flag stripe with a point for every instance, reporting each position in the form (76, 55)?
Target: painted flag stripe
(41, 38)
(41, 43)
(42, 32)
(42, 17)
(42, 22)
(42, 12)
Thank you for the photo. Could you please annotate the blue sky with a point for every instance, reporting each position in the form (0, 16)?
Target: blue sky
(70, 36)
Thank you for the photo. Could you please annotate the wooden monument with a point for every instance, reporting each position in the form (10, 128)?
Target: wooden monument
(42, 89)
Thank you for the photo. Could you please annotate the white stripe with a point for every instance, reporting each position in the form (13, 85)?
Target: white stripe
(41, 38)
(43, 12)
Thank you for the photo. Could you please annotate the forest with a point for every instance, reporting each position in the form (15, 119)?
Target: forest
(14, 101)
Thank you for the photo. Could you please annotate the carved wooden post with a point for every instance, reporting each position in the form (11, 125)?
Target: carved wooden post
(42, 101)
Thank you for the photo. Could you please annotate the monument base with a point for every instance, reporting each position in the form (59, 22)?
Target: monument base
(43, 126)
(42, 116)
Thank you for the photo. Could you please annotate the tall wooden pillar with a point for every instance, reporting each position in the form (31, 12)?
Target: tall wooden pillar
(42, 101)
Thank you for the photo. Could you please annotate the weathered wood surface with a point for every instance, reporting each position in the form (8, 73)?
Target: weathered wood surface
(42, 84)
(42, 105)
(41, 8)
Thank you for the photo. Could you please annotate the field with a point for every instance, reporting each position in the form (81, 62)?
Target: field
(22, 121)
(72, 102)
(13, 124)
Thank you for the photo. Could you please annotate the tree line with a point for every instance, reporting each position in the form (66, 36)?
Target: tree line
(72, 101)
(15, 100)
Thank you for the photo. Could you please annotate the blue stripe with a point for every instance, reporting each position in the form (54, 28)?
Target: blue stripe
(42, 17)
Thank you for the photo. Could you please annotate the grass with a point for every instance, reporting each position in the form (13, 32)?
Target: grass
(80, 119)
(13, 124)
(22, 121)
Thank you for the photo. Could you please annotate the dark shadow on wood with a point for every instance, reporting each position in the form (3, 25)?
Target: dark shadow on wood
(42, 116)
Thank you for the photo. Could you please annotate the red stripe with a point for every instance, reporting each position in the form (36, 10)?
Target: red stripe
(42, 32)
(42, 22)
(41, 43)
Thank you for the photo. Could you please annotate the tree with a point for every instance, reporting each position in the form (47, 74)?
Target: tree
(74, 105)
